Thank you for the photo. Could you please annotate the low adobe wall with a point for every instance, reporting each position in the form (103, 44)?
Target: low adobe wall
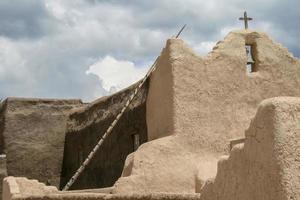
(18, 188)
(87, 125)
(24, 189)
(267, 165)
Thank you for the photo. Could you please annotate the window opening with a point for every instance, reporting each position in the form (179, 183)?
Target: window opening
(136, 141)
(250, 59)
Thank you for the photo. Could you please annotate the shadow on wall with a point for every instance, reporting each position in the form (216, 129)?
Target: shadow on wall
(106, 167)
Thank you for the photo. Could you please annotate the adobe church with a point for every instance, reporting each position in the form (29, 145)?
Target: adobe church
(221, 127)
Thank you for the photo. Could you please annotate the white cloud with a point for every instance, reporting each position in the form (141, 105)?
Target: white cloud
(204, 47)
(116, 74)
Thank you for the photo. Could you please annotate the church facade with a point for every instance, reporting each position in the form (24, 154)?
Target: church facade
(224, 126)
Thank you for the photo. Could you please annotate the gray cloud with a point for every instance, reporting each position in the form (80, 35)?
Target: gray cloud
(47, 46)
(24, 19)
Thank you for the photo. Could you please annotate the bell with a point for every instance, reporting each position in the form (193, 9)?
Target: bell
(249, 55)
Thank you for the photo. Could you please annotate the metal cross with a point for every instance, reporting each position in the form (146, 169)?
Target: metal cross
(246, 19)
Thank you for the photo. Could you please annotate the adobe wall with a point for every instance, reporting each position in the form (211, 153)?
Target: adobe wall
(2, 120)
(214, 97)
(267, 165)
(25, 189)
(3, 168)
(18, 188)
(34, 133)
(212, 101)
(159, 116)
(87, 125)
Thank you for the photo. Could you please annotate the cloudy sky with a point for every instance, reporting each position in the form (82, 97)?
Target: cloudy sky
(90, 48)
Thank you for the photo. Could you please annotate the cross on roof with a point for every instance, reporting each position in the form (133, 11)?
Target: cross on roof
(246, 19)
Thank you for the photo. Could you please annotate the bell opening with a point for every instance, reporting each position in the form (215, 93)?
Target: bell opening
(251, 64)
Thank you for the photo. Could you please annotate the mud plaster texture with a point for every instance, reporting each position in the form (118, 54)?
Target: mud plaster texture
(196, 105)
(267, 165)
(14, 188)
(17, 189)
(88, 124)
(33, 133)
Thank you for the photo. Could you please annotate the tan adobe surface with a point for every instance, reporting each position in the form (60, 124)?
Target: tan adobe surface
(202, 103)
(267, 165)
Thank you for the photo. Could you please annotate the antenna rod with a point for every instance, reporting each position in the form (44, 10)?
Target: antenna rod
(180, 31)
